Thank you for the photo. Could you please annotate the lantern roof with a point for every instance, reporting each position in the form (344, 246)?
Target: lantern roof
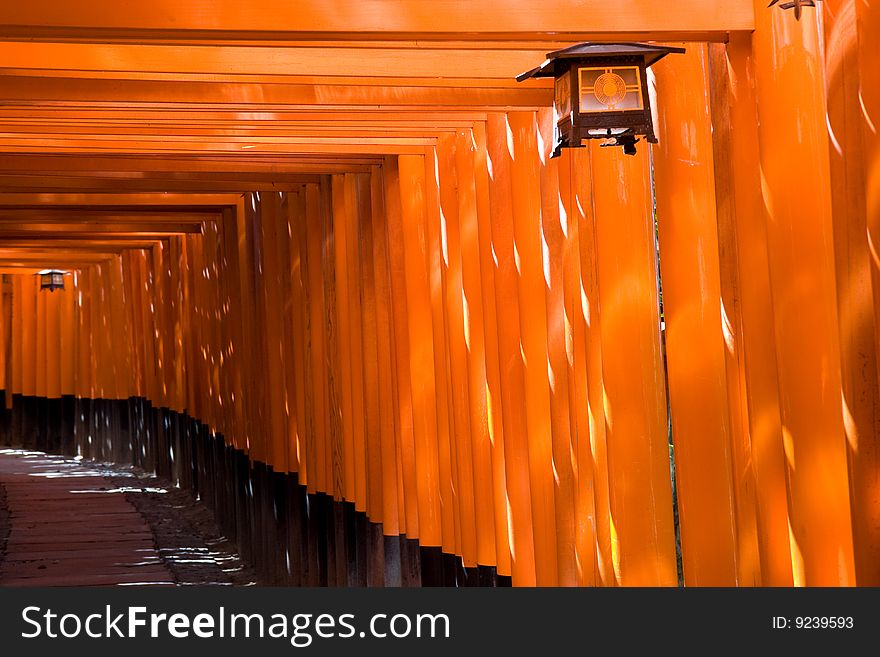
(558, 59)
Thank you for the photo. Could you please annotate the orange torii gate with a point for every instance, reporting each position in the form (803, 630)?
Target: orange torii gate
(323, 263)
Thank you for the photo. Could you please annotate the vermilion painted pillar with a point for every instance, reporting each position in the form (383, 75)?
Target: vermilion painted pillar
(512, 405)
(642, 533)
(457, 338)
(529, 256)
(866, 453)
(593, 482)
(391, 525)
(736, 135)
(474, 322)
(404, 428)
(695, 344)
(482, 241)
(412, 192)
(855, 296)
(555, 251)
(436, 242)
(797, 199)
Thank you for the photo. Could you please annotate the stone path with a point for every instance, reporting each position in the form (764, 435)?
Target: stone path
(65, 522)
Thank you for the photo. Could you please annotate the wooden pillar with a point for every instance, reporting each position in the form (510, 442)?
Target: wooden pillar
(736, 133)
(450, 529)
(744, 479)
(412, 189)
(385, 338)
(404, 428)
(373, 504)
(464, 508)
(642, 533)
(494, 416)
(299, 374)
(355, 365)
(319, 477)
(865, 454)
(526, 215)
(554, 245)
(592, 499)
(273, 299)
(513, 395)
(342, 371)
(474, 323)
(695, 341)
(795, 157)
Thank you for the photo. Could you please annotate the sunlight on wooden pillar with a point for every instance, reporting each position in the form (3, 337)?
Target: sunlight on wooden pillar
(300, 433)
(592, 435)
(437, 268)
(404, 429)
(795, 157)
(421, 357)
(462, 441)
(855, 296)
(466, 150)
(308, 234)
(512, 379)
(575, 363)
(642, 533)
(483, 172)
(695, 342)
(554, 243)
(728, 177)
(527, 244)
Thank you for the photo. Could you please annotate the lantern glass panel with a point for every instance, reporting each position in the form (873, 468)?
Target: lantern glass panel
(562, 104)
(610, 89)
(58, 280)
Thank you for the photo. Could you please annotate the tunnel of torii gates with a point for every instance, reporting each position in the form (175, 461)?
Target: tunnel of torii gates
(321, 270)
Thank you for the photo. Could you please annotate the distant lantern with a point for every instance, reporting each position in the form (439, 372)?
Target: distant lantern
(601, 92)
(51, 279)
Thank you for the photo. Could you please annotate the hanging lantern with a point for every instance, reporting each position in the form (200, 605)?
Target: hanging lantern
(601, 92)
(51, 279)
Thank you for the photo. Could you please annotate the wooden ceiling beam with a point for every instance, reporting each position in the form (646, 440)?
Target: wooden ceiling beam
(193, 164)
(45, 254)
(50, 260)
(415, 18)
(120, 199)
(419, 61)
(206, 116)
(108, 244)
(86, 228)
(62, 215)
(61, 184)
(243, 133)
(53, 145)
(46, 91)
(105, 183)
